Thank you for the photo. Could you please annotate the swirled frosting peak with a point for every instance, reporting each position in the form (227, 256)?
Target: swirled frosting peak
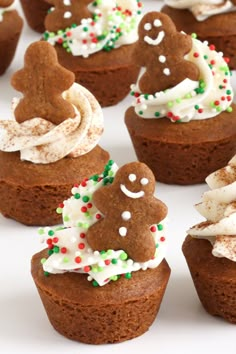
(112, 24)
(202, 9)
(218, 206)
(41, 141)
(190, 100)
(69, 250)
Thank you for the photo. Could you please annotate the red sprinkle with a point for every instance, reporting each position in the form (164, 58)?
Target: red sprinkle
(212, 47)
(81, 246)
(153, 229)
(87, 269)
(82, 235)
(98, 216)
(89, 205)
(196, 55)
(217, 103)
(55, 239)
(61, 205)
(83, 209)
(162, 239)
(200, 110)
(78, 259)
(63, 250)
(107, 261)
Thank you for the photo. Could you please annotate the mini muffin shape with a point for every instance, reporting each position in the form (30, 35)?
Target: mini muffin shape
(216, 25)
(35, 12)
(95, 41)
(210, 247)
(182, 123)
(52, 142)
(105, 296)
(10, 30)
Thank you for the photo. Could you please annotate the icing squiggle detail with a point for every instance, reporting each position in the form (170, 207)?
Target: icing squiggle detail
(128, 193)
(40, 141)
(69, 250)
(218, 206)
(189, 99)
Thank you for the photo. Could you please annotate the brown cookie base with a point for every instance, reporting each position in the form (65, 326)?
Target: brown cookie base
(183, 153)
(30, 193)
(219, 30)
(108, 75)
(214, 278)
(10, 30)
(35, 12)
(113, 313)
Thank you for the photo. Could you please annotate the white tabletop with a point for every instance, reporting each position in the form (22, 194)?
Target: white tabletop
(182, 325)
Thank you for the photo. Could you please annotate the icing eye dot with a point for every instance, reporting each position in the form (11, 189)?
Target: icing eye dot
(147, 26)
(132, 177)
(157, 23)
(144, 181)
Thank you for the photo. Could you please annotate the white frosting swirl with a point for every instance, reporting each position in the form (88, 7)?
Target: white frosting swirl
(218, 206)
(114, 24)
(70, 250)
(40, 141)
(189, 99)
(6, 9)
(202, 9)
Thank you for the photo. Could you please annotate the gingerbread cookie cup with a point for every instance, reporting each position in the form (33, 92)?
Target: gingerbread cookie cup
(96, 43)
(104, 274)
(10, 29)
(119, 311)
(219, 29)
(182, 123)
(183, 153)
(210, 247)
(214, 278)
(35, 12)
(51, 144)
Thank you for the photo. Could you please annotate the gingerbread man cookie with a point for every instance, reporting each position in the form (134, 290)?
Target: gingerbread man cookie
(66, 13)
(129, 209)
(42, 81)
(6, 3)
(165, 49)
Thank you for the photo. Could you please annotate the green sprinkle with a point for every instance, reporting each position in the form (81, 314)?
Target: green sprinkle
(66, 218)
(43, 260)
(157, 245)
(51, 233)
(228, 92)
(157, 114)
(95, 283)
(194, 35)
(46, 274)
(128, 275)
(196, 107)
(170, 104)
(160, 227)
(65, 259)
(76, 195)
(41, 231)
(59, 210)
(56, 249)
(140, 112)
(114, 261)
(123, 256)
(229, 109)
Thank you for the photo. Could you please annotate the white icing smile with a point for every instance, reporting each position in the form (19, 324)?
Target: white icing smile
(155, 41)
(128, 193)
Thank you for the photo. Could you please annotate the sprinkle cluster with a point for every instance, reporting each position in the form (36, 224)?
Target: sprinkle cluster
(101, 32)
(68, 249)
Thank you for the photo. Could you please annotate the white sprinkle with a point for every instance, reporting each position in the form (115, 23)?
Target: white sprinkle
(166, 71)
(89, 278)
(67, 2)
(122, 231)
(96, 253)
(162, 59)
(147, 26)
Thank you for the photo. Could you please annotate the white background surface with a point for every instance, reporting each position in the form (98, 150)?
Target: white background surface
(182, 326)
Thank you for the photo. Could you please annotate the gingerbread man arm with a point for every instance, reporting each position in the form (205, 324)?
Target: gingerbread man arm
(156, 211)
(100, 198)
(18, 80)
(67, 78)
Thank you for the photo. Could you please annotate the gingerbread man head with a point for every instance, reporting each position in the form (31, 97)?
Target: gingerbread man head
(129, 210)
(165, 49)
(66, 13)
